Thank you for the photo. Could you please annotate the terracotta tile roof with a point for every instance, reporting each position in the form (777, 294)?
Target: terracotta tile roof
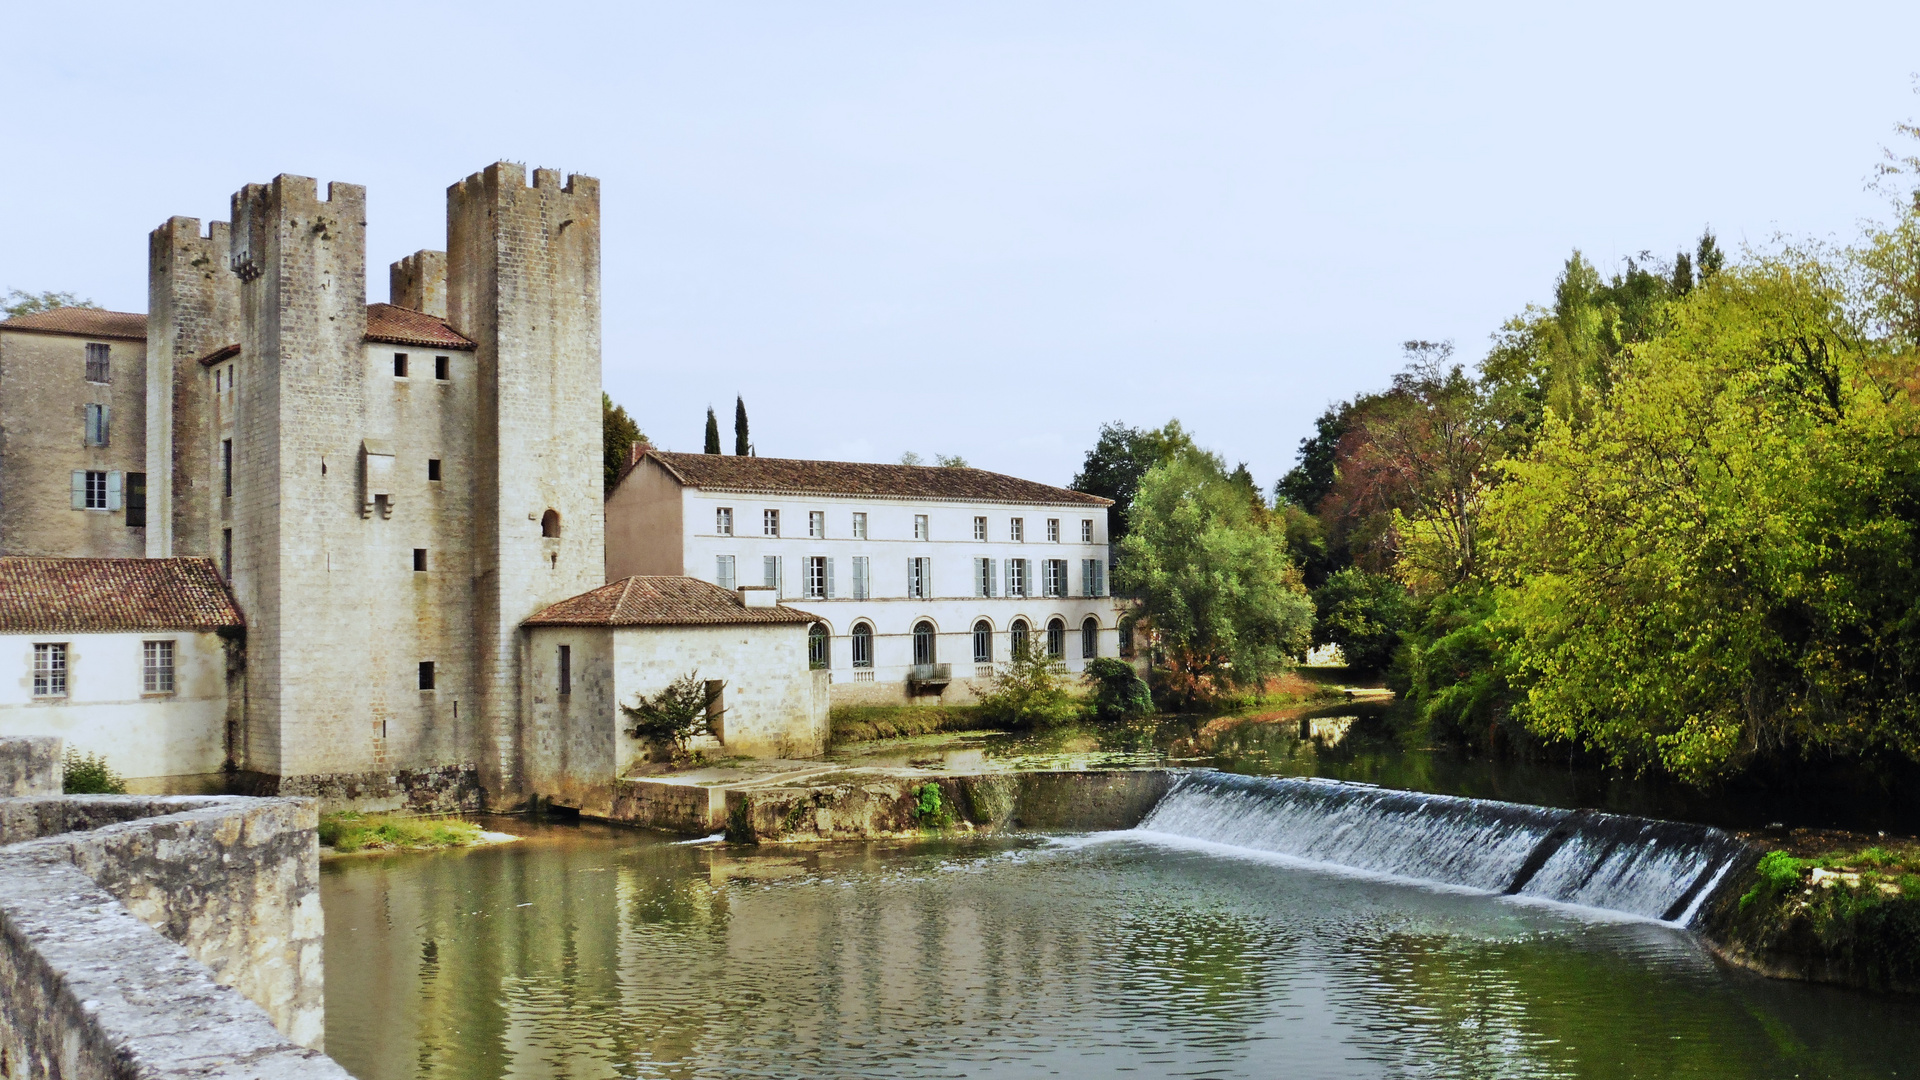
(83, 322)
(662, 601)
(54, 596)
(224, 352)
(721, 472)
(404, 326)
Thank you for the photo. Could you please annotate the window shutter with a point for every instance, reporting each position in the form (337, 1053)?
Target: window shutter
(926, 578)
(779, 576)
(113, 491)
(993, 577)
(1099, 578)
(106, 428)
(830, 592)
(911, 567)
(79, 489)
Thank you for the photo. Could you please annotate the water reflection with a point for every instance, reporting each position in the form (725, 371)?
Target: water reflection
(587, 952)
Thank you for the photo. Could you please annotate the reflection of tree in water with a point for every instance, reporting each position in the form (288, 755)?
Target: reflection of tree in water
(1208, 973)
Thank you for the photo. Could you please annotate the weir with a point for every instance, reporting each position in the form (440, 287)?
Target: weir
(1638, 866)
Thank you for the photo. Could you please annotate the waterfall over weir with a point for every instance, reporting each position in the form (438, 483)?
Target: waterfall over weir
(1656, 869)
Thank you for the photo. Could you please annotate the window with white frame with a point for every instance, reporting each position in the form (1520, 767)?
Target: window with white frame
(983, 577)
(156, 667)
(770, 572)
(862, 645)
(920, 578)
(1053, 577)
(770, 523)
(817, 524)
(859, 525)
(723, 521)
(983, 642)
(979, 528)
(817, 574)
(1057, 638)
(97, 417)
(1016, 577)
(1090, 638)
(919, 526)
(862, 589)
(1017, 529)
(1086, 530)
(93, 490)
(1053, 530)
(97, 370)
(723, 571)
(50, 669)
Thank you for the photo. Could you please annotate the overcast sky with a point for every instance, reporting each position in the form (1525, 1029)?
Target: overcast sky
(980, 228)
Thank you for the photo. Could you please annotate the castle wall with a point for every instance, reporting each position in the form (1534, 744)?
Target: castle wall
(193, 308)
(523, 282)
(419, 282)
(44, 394)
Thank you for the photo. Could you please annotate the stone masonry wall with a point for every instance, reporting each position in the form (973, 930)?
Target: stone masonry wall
(193, 308)
(44, 394)
(29, 766)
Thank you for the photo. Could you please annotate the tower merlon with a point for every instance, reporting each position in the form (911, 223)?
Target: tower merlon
(419, 282)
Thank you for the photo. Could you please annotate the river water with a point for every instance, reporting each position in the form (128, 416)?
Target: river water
(591, 952)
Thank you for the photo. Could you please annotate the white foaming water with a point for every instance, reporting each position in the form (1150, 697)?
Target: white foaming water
(1637, 866)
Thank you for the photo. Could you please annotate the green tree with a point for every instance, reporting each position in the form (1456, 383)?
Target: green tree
(1030, 690)
(1213, 577)
(20, 303)
(713, 432)
(950, 461)
(681, 710)
(1118, 691)
(742, 446)
(1118, 460)
(618, 435)
(1365, 614)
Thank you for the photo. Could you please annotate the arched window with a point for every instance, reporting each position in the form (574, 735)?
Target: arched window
(862, 645)
(1057, 638)
(923, 652)
(817, 654)
(550, 523)
(1090, 638)
(983, 642)
(1019, 634)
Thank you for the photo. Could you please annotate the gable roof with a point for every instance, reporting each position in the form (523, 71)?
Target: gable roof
(781, 476)
(405, 326)
(83, 322)
(662, 600)
(95, 595)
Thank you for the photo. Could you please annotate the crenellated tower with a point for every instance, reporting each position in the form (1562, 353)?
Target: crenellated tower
(193, 309)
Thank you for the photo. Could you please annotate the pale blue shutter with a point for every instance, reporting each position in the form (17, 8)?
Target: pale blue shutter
(1099, 578)
(79, 489)
(113, 491)
(106, 433)
(830, 592)
(926, 578)
(993, 577)
(911, 567)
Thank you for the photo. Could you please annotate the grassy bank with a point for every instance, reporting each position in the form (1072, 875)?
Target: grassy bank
(348, 831)
(862, 723)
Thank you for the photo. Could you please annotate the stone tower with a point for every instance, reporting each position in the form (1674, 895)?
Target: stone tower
(193, 305)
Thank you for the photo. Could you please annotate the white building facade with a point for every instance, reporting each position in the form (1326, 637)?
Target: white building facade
(923, 578)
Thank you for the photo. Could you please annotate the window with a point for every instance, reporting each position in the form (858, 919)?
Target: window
(433, 468)
(136, 500)
(399, 365)
(1053, 530)
(1093, 577)
(920, 578)
(50, 670)
(1056, 638)
(860, 526)
(1090, 638)
(983, 642)
(97, 416)
(1053, 577)
(1016, 577)
(770, 573)
(862, 645)
(723, 521)
(817, 524)
(862, 580)
(564, 662)
(226, 553)
(818, 654)
(1018, 632)
(426, 674)
(443, 368)
(723, 571)
(1086, 530)
(550, 524)
(770, 523)
(97, 370)
(923, 643)
(919, 526)
(1017, 529)
(226, 467)
(156, 667)
(983, 577)
(817, 572)
(419, 560)
(93, 494)
(979, 528)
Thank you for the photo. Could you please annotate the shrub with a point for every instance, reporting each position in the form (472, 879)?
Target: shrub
(929, 809)
(1030, 691)
(349, 831)
(1118, 692)
(676, 714)
(89, 774)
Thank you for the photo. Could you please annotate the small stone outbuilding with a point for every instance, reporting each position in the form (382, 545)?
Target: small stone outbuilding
(589, 655)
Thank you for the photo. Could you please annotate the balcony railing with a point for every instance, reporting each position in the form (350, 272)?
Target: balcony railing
(931, 674)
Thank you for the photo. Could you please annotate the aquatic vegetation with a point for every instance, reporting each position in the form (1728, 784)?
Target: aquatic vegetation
(348, 831)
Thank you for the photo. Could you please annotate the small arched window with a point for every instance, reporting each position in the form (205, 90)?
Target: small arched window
(818, 655)
(1090, 638)
(983, 642)
(923, 651)
(1057, 638)
(550, 523)
(862, 645)
(1019, 635)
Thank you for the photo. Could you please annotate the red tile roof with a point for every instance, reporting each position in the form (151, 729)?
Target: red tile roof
(662, 601)
(83, 322)
(55, 596)
(779, 476)
(224, 352)
(404, 326)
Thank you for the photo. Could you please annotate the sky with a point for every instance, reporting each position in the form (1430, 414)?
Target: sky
(981, 228)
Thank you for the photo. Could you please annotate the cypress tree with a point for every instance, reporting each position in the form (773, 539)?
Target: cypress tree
(740, 445)
(713, 432)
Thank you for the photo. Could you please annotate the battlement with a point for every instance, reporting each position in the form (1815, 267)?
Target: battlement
(419, 282)
(257, 207)
(181, 236)
(507, 176)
